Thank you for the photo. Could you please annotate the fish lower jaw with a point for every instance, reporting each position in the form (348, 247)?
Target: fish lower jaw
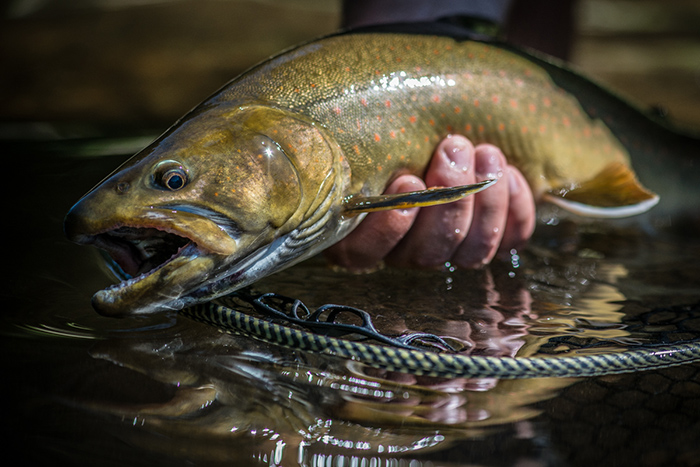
(159, 289)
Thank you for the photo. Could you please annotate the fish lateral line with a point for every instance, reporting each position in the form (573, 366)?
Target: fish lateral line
(354, 205)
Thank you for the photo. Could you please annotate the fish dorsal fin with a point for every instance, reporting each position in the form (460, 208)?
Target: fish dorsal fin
(355, 205)
(613, 192)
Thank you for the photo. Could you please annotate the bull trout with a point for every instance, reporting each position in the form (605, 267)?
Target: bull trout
(286, 159)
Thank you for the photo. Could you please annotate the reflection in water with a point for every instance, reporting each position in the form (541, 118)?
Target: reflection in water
(294, 404)
(231, 388)
(168, 390)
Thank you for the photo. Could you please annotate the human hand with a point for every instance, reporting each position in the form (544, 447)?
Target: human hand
(467, 233)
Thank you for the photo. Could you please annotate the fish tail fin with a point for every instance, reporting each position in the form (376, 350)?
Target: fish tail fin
(613, 192)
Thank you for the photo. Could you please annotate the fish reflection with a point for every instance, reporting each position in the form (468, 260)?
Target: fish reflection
(288, 406)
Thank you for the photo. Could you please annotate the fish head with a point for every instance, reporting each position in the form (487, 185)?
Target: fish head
(205, 209)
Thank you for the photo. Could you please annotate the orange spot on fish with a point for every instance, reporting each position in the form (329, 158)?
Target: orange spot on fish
(436, 98)
(379, 118)
(431, 122)
(356, 148)
(313, 85)
(547, 102)
(387, 103)
(514, 103)
(402, 157)
(489, 117)
(587, 132)
(412, 119)
(377, 137)
(476, 102)
(449, 130)
(481, 128)
(379, 168)
(501, 126)
(388, 157)
(336, 110)
(495, 99)
(347, 68)
(523, 130)
(216, 194)
(457, 110)
(543, 128)
(468, 127)
(403, 130)
(532, 107)
(418, 68)
(363, 101)
(436, 52)
(566, 121)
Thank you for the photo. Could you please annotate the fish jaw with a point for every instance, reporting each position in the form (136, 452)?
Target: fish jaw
(194, 273)
(161, 253)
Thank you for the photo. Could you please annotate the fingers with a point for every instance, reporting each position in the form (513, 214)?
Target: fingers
(438, 230)
(467, 233)
(378, 233)
(490, 211)
(521, 211)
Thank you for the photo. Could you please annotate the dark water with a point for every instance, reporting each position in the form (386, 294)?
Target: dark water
(86, 390)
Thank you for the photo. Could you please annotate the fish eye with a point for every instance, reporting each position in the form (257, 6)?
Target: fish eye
(170, 175)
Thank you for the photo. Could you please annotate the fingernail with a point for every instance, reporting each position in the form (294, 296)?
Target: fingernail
(458, 153)
(490, 166)
(513, 185)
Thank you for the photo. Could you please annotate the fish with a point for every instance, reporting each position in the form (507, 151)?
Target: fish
(288, 158)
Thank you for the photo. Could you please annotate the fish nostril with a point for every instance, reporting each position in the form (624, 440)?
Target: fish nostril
(123, 187)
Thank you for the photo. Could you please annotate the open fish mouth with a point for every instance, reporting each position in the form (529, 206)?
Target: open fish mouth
(140, 251)
(161, 255)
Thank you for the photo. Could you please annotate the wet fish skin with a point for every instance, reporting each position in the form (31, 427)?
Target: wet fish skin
(269, 160)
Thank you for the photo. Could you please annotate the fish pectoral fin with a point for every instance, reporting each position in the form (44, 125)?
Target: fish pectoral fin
(355, 205)
(613, 192)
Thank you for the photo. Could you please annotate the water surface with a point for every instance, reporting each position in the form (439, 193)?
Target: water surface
(87, 390)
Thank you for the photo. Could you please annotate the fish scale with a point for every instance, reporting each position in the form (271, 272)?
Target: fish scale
(398, 97)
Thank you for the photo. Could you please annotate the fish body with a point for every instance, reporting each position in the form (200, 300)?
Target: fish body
(275, 166)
